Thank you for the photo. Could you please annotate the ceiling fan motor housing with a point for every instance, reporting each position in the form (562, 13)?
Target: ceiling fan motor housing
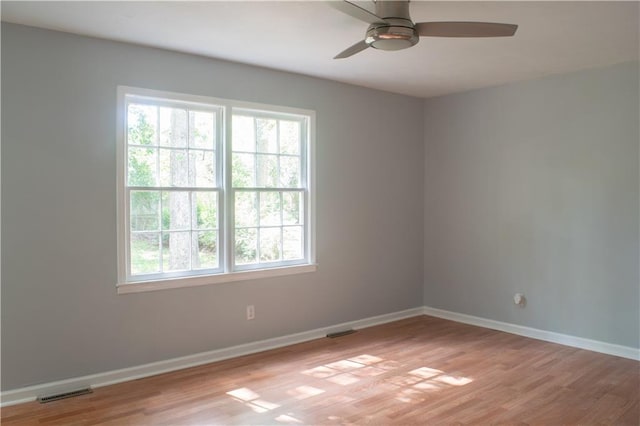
(396, 34)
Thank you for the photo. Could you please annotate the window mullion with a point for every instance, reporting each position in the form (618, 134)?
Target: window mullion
(157, 154)
(157, 147)
(127, 224)
(228, 220)
(161, 238)
(281, 226)
(255, 149)
(304, 180)
(304, 155)
(258, 199)
(192, 228)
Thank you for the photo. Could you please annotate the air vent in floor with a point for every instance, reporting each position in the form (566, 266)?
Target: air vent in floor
(340, 333)
(49, 398)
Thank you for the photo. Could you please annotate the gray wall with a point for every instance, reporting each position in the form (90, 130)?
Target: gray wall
(61, 316)
(533, 187)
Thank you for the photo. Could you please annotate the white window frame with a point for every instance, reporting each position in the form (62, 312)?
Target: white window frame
(226, 272)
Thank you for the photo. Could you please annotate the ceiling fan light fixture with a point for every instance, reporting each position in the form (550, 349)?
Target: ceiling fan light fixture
(391, 37)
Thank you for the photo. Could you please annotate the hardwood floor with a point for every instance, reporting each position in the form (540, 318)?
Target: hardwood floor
(421, 370)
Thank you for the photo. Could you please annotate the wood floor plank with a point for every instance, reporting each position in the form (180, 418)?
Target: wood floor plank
(421, 370)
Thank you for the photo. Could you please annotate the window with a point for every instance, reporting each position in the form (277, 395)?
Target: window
(211, 190)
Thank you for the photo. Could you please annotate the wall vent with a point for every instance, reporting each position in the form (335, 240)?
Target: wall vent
(339, 334)
(49, 398)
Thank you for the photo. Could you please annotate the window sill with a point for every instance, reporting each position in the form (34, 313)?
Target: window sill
(144, 286)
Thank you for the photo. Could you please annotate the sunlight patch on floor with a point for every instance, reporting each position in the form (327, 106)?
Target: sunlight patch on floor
(252, 400)
(365, 359)
(409, 386)
(304, 392)
(244, 394)
(367, 372)
(425, 372)
(453, 380)
(320, 372)
(343, 379)
(425, 379)
(344, 365)
(287, 419)
(428, 386)
(360, 365)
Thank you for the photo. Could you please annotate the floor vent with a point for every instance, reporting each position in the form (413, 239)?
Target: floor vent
(339, 334)
(43, 399)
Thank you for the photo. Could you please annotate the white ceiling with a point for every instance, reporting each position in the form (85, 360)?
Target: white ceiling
(303, 37)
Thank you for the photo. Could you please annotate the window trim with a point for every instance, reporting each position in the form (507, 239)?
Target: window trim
(125, 284)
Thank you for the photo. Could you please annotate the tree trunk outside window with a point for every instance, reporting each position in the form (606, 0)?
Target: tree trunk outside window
(179, 205)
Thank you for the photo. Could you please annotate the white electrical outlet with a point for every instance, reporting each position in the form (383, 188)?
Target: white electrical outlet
(251, 312)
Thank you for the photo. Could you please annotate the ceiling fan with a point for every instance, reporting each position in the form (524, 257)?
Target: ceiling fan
(391, 27)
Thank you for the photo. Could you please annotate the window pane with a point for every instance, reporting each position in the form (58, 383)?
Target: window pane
(267, 135)
(292, 208)
(145, 210)
(174, 167)
(202, 169)
(292, 242)
(270, 244)
(270, 209)
(246, 210)
(142, 123)
(176, 251)
(243, 171)
(243, 137)
(142, 167)
(205, 250)
(289, 137)
(205, 210)
(202, 129)
(173, 127)
(176, 210)
(267, 171)
(290, 172)
(246, 242)
(145, 253)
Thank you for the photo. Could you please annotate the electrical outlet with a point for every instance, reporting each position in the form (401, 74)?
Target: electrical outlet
(519, 299)
(251, 312)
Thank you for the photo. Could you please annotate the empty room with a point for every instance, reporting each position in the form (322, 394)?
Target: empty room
(320, 212)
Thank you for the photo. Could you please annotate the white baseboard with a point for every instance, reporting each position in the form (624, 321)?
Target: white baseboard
(30, 393)
(548, 336)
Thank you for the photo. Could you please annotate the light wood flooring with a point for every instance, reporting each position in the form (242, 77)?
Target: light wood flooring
(422, 370)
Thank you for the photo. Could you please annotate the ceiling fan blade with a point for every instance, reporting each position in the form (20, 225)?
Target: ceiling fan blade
(358, 47)
(356, 11)
(465, 29)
